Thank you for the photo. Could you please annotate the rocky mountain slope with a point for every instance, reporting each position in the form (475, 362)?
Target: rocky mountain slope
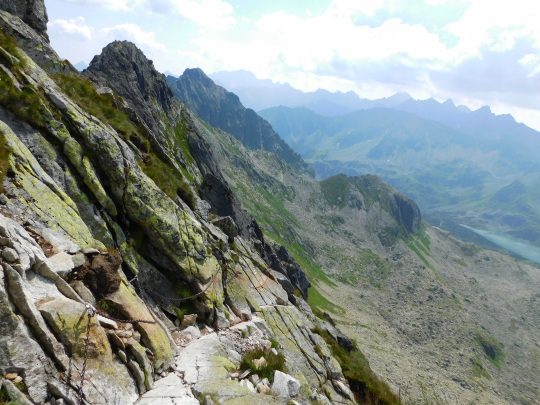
(425, 306)
(118, 230)
(223, 109)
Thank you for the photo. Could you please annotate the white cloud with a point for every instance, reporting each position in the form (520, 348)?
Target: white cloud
(531, 61)
(75, 26)
(211, 14)
(496, 24)
(476, 49)
(132, 32)
(115, 5)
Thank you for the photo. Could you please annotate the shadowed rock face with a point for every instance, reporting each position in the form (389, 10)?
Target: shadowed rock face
(32, 12)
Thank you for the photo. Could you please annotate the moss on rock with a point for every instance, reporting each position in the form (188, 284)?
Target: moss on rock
(153, 336)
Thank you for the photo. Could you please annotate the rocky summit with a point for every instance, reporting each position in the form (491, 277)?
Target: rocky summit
(160, 244)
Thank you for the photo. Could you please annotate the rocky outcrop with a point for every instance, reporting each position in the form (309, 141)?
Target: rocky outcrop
(123, 67)
(26, 22)
(402, 214)
(136, 82)
(32, 12)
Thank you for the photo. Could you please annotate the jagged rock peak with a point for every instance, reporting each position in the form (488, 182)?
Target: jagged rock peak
(140, 80)
(32, 12)
(223, 109)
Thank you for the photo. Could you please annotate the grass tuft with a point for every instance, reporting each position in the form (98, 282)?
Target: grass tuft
(273, 362)
(167, 179)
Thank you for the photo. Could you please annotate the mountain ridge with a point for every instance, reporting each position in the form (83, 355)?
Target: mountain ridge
(405, 297)
(261, 94)
(106, 245)
(225, 111)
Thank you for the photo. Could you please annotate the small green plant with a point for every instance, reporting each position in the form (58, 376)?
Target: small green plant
(4, 397)
(8, 43)
(109, 308)
(273, 362)
(275, 343)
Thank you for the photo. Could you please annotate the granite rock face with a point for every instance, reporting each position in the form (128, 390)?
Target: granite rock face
(32, 12)
(141, 85)
(34, 43)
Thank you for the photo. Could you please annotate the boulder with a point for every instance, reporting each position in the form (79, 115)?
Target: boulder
(61, 263)
(285, 385)
(227, 225)
(189, 320)
(343, 389)
(10, 255)
(221, 321)
(192, 331)
(60, 241)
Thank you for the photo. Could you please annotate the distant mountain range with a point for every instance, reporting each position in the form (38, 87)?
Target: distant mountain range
(261, 94)
(80, 66)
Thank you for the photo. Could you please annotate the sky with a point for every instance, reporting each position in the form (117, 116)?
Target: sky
(476, 52)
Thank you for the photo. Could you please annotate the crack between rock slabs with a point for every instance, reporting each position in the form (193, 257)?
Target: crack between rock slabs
(87, 381)
(127, 171)
(304, 353)
(248, 275)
